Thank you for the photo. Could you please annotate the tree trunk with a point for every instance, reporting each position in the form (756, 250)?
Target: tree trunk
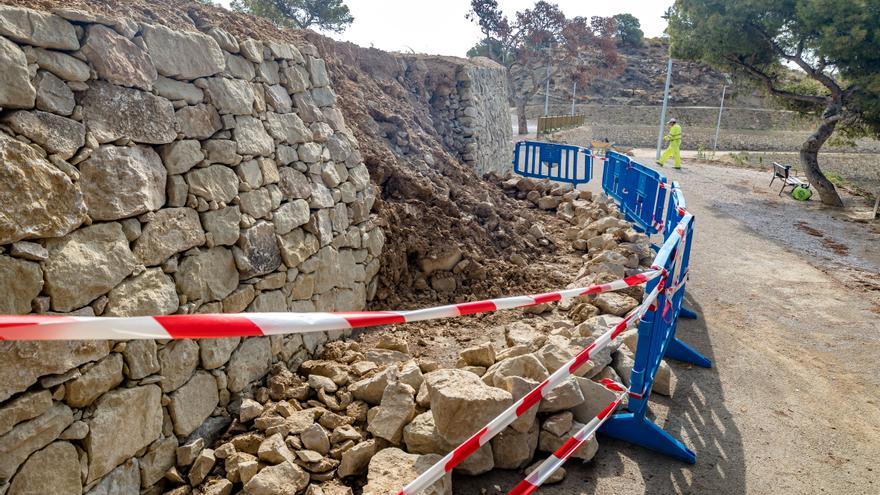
(809, 155)
(522, 123)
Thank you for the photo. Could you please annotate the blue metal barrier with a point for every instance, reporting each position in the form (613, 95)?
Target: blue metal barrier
(613, 173)
(641, 194)
(557, 162)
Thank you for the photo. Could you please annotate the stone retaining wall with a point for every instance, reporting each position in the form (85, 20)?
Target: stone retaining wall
(468, 99)
(151, 171)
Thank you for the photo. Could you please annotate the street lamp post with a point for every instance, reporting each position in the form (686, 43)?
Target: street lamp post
(665, 104)
(718, 125)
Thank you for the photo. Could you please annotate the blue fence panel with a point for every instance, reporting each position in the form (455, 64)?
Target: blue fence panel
(643, 197)
(557, 162)
(641, 194)
(613, 174)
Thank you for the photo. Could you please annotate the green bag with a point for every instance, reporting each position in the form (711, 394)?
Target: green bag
(801, 193)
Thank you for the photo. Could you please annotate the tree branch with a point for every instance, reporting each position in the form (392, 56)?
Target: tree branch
(798, 59)
(768, 82)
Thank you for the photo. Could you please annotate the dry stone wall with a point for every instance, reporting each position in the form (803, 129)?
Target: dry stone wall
(150, 171)
(469, 107)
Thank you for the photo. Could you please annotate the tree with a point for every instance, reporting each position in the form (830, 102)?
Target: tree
(576, 49)
(326, 15)
(818, 57)
(629, 30)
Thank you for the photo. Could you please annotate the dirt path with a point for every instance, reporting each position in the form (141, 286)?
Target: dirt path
(791, 404)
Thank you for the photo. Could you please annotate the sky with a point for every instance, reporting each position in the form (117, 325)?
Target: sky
(439, 26)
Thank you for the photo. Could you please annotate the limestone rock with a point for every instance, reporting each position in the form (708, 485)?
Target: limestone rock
(16, 90)
(86, 264)
(180, 156)
(201, 466)
(214, 183)
(596, 398)
(290, 216)
(60, 64)
(297, 246)
(56, 134)
(157, 461)
(513, 449)
(208, 276)
(462, 404)
(249, 362)
(198, 121)
(169, 231)
(122, 181)
(53, 95)
(141, 359)
(178, 90)
(124, 422)
(21, 281)
(55, 470)
(356, 459)
(138, 115)
(118, 60)
(105, 375)
(182, 54)
(193, 402)
(548, 442)
(150, 293)
(216, 352)
(481, 355)
(229, 96)
(25, 361)
(37, 28)
(177, 361)
(257, 251)
(222, 225)
(564, 396)
(392, 468)
(23, 408)
(124, 479)
(30, 436)
(396, 410)
(615, 303)
(315, 438)
(288, 128)
(281, 479)
(251, 137)
(556, 477)
(39, 200)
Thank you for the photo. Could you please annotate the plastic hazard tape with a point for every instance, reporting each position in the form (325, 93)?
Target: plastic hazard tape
(44, 327)
(537, 477)
(503, 420)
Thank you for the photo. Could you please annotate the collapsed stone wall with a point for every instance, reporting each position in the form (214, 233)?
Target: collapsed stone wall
(148, 170)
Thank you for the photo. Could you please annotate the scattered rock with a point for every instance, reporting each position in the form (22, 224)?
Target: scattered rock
(390, 469)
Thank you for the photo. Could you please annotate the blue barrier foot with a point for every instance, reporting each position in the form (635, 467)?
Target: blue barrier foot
(687, 313)
(680, 351)
(640, 431)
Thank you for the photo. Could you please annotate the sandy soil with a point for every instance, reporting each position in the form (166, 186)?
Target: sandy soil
(791, 404)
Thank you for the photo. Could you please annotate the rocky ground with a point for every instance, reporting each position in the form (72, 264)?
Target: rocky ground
(371, 414)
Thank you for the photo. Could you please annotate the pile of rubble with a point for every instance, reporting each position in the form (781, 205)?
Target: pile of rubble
(373, 417)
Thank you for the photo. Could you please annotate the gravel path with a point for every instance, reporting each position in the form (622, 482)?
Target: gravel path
(791, 404)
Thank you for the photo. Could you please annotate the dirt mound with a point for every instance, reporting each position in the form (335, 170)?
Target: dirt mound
(431, 204)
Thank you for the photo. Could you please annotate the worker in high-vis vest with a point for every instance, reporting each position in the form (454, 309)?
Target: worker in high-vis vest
(674, 148)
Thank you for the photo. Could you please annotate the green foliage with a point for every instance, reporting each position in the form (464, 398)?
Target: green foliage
(325, 15)
(629, 30)
(807, 53)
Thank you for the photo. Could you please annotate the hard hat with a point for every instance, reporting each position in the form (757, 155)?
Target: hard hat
(672, 121)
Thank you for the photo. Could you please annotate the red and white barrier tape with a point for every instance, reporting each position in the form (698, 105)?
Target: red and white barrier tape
(503, 420)
(43, 327)
(537, 477)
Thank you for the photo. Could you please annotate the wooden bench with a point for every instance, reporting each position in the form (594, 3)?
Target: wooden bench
(783, 172)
